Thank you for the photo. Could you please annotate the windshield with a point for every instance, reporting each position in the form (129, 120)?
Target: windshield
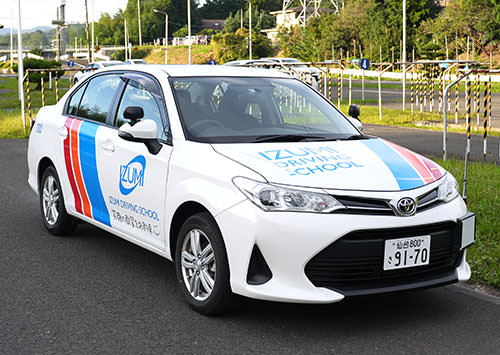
(237, 109)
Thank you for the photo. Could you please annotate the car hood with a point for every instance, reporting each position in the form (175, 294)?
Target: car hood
(369, 164)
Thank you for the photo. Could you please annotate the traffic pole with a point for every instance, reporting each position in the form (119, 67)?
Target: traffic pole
(28, 95)
(457, 95)
(478, 99)
(43, 90)
(485, 120)
(468, 118)
(57, 88)
(411, 94)
(339, 89)
(431, 91)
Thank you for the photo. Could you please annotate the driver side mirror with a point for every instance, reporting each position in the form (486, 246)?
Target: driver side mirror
(143, 131)
(354, 117)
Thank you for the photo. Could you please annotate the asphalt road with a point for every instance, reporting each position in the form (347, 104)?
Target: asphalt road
(94, 293)
(431, 142)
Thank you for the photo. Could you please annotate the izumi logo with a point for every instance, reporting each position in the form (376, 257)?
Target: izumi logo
(132, 174)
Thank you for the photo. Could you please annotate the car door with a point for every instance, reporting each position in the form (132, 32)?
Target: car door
(86, 113)
(135, 183)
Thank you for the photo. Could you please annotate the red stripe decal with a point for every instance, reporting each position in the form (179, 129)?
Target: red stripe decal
(423, 170)
(75, 149)
(69, 168)
(433, 168)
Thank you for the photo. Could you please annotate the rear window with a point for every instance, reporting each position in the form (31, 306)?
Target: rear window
(97, 99)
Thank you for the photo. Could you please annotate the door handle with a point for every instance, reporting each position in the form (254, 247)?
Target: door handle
(108, 146)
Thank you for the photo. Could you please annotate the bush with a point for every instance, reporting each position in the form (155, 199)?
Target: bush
(36, 77)
(233, 46)
(137, 53)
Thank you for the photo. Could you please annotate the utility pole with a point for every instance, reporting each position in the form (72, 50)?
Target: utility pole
(93, 20)
(89, 53)
(250, 29)
(126, 38)
(139, 20)
(166, 31)
(404, 54)
(189, 30)
(20, 67)
(61, 23)
(11, 38)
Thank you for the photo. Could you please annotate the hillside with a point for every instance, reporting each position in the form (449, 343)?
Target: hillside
(179, 55)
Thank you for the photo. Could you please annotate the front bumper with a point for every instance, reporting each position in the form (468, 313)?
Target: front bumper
(289, 241)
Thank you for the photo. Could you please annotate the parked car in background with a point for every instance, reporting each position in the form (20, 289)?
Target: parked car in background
(89, 68)
(135, 61)
(296, 65)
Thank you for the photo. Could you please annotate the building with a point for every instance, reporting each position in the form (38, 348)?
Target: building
(292, 17)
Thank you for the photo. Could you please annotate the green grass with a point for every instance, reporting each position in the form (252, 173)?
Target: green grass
(11, 125)
(10, 106)
(395, 117)
(483, 198)
(10, 99)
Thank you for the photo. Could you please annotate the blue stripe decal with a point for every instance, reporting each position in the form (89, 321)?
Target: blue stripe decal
(405, 174)
(88, 162)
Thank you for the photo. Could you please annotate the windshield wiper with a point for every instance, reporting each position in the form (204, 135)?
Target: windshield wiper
(289, 138)
(354, 137)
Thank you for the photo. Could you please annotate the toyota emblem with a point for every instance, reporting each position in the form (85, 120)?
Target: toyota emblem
(407, 206)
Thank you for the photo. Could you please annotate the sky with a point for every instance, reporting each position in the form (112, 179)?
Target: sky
(41, 12)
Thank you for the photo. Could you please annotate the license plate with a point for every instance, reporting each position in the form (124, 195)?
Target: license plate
(407, 252)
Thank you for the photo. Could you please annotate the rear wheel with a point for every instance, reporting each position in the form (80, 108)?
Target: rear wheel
(202, 267)
(54, 216)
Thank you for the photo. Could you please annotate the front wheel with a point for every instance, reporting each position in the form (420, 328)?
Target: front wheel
(54, 216)
(202, 267)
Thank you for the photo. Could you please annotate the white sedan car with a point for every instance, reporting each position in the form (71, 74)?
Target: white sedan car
(253, 184)
(91, 67)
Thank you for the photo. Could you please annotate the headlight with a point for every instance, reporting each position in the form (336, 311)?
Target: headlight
(448, 189)
(277, 198)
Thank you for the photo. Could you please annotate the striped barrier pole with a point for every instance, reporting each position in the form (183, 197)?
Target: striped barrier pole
(457, 95)
(57, 89)
(28, 95)
(468, 118)
(43, 90)
(411, 93)
(339, 89)
(441, 104)
(330, 88)
(350, 89)
(489, 104)
(478, 99)
(485, 120)
(426, 86)
(341, 85)
(431, 91)
(449, 96)
(421, 90)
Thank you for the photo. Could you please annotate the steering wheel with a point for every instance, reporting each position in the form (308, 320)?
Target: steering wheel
(205, 122)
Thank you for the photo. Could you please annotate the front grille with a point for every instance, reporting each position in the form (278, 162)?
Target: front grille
(354, 263)
(363, 205)
(374, 206)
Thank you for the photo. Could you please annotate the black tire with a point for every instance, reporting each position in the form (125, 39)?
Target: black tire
(63, 224)
(221, 299)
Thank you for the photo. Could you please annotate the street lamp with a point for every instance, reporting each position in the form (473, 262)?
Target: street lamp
(189, 29)
(166, 31)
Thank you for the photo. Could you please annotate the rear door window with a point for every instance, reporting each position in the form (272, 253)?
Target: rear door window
(97, 99)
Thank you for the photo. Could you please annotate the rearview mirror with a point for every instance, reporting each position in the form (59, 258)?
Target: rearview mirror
(354, 117)
(143, 131)
(354, 111)
(134, 114)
